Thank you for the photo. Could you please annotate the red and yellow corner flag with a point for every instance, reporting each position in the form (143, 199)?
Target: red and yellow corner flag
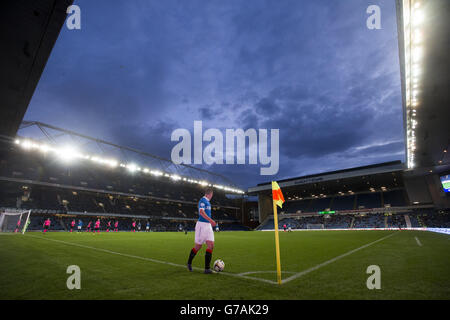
(277, 195)
(278, 200)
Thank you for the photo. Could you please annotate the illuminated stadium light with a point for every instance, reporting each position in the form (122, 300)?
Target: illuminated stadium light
(417, 54)
(132, 167)
(418, 37)
(45, 148)
(69, 153)
(413, 37)
(26, 144)
(418, 16)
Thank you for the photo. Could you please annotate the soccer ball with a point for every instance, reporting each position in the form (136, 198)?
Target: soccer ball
(219, 265)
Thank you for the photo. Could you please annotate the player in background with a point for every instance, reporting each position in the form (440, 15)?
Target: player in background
(47, 225)
(139, 226)
(217, 228)
(80, 225)
(72, 225)
(88, 228)
(97, 226)
(133, 225)
(203, 231)
(185, 228)
(17, 226)
(108, 226)
(147, 227)
(289, 228)
(116, 226)
(284, 227)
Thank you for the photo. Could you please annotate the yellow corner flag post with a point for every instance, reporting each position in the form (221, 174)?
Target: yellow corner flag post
(278, 200)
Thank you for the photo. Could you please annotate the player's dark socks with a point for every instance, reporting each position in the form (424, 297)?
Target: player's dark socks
(192, 255)
(189, 266)
(208, 256)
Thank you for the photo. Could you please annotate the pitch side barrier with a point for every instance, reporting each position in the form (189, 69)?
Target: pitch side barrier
(439, 230)
(404, 209)
(70, 214)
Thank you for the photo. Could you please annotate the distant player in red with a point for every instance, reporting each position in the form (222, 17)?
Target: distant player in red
(134, 226)
(97, 226)
(108, 226)
(72, 225)
(116, 226)
(88, 229)
(47, 225)
(284, 227)
(17, 226)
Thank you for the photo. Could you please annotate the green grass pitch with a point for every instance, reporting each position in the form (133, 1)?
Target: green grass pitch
(151, 265)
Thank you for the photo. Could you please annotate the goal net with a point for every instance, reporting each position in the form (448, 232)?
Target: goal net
(314, 226)
(14, 221)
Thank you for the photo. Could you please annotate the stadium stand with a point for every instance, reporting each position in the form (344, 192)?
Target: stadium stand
(394, 198)
(343, 203)
(368, 200)
(54, 189)
(320, 204)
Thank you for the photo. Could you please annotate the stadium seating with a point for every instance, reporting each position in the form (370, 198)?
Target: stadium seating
(343, 203)
(395, 198)
(38, 167)
(294, 206)
(49, 187)
(368, 200)
(369, 221)
(320, 204)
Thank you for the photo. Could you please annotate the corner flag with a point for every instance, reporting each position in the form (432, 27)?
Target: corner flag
(277, 195)
(278, 200)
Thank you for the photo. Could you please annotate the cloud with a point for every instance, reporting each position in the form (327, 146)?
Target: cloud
(312, 69)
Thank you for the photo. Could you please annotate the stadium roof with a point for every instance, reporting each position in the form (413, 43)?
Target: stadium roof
(376, 169)
(29, 32)
(45, 138)
(424, 47)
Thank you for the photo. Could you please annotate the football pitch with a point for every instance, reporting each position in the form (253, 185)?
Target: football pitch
(315, 265)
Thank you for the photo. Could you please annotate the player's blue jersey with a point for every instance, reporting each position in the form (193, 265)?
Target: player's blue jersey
(80, 223)
(205, 205)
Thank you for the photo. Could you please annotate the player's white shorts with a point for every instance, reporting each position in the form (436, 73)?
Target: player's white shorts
(203, 232)
(79, 228)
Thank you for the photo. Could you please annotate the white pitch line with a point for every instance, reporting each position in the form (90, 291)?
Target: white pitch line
(149, 259)
(418, 241)
(295, 276)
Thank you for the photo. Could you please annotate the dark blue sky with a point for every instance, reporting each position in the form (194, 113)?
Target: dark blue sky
(137, 70)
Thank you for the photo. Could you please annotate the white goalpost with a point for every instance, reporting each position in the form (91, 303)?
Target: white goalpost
(14, 221)
(314, 226)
